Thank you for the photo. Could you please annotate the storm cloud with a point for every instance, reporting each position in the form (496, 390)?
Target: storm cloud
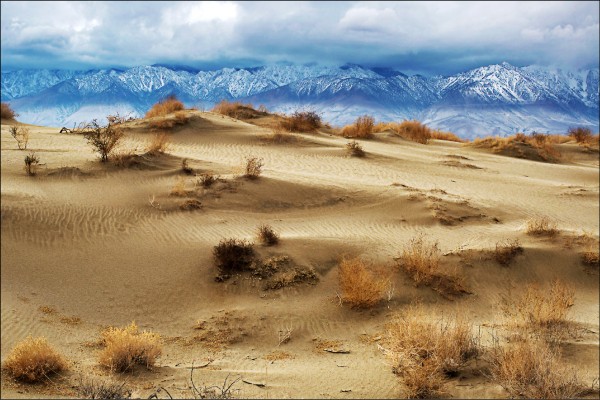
(418, 37)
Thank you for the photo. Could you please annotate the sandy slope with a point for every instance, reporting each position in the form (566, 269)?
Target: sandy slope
(85, 243)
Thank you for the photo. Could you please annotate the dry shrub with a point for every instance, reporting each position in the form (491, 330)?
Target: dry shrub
(126, 347)
(103, 139)
(362, 284)
(21, 135)
(362, 128)
(232, 255)
(33, 359)
(190, 205)
(165, 107)
(103, 389)
(540, 308)
(506, 251)
(532, 369)
(124, 157)
(354, 149)
(415, 131)
(420, 259)
(266, 235)
(591, 258)
(158, 144)
(425, 353)
(179, 118)
(580, 134)
(536, 147)
(185, 167)
(302, 121)
(6, 112)
(449, 136)
(279, 136)
(253, 167)
(31, 163)
(237, 110)
(206, 180)
(179, 188)
(541, 226)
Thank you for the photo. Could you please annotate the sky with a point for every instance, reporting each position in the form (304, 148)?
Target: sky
(431, 38)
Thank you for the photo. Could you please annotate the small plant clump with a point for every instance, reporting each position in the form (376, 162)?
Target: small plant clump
(127, 347)
(103, 139)
(206, 180)
(158, 144)
(6, 112)
(31, 163)
(354, 149)
(165, 107)
(362, 128)
(33, 360)
(302, 121)
(266, 235)
(190, 205)
(580, 134)
(102, 389)
(362, 284)
(253, 167)
(21, 135)
(186, 168)
(506, 251)
(542, 226)
(232, 255)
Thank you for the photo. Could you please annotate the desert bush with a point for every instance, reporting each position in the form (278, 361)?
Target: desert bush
(580, 134)
(449, 136)
(118, 119)
(185, 167)
(6, 112)
(124, 157)
(206, 180)
(238, 110)
(532, 369)
(126, 347)
(425, 353)
(31, 163)
(362, 284)
(21, 135)
(302, 121)
(541, 226)
(420, 259)
(506, 251)
(354, 149)
(190, 205)
(253, 167)
(165, 107)
(415, 131)
(523, 146)
(179, 118)
(158, 144)
(233, 255)
(279, 136)
(103, 389)
(266, 235)
(103, 139)
(591, 258)
(33, 359)
(362, 128)
(540, 307)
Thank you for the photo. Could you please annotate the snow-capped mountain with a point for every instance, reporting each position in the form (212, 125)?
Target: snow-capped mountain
(495, 99)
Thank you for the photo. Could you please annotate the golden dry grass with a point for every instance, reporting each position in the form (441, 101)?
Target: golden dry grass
(425, 353)
(362, 128)
(126, 347)
(179, 118)
(506, 251)
(158, 144)
(532, 369)
(266, 235)
(536, 147)
(165, 107)
(448, 136)
(6, 112)
(415, 131)
(302, 121)
(33, 360)
(591, 258)
(541, 226)
(362, 284)
(354, 149)
(238, 110)
(253, 167)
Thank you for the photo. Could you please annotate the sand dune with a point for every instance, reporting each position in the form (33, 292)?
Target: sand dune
(82, 249)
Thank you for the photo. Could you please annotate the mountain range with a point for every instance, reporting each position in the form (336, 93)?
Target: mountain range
(498, 99)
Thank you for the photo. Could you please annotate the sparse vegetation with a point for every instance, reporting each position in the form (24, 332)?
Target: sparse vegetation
(354, 149)
(415, 131)
(190, 205)
(158, 144)
(169, 122)
(253, 167)
(362, 128)
(33, 360)
(266, 235)
(591, 258)
(186, 168)
(232, 255)
(507, 250)
(6, 112)
(206, 180)
(302, 121)
(179, 188)
(448, 136)
(31, 163)
(21, 135)
(532, 369)
(580, 134)
(103, 389)
(538, 148)
(103, 139)
(362, 284)
(541, 226)
(238, 110)
(126, 347)
(425, 353)
(165, 107)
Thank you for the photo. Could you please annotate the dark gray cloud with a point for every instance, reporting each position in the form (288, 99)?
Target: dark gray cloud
(427, 37)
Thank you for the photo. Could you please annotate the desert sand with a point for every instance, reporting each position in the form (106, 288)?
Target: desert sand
(83, 249)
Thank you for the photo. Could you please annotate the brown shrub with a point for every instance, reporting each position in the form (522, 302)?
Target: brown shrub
(541, 226)
(420, 259)
(531, 369)
(33, 359)
(506, 251)
(362, 284)
(21, 135)
(449, 136)
(580, 134)
(523, 146)
(232, 255)
(236, 110)
(206, 180)
(103, 389)
(190, 205)
(31, 163)
(179, 118)
(103, 139)
(126, 347)
(185, 167)
(165, 107)
(253, 167)
(6, 112)
(266, 235)
(415, 131)
(158, 144)
(302, 121)
(362, 128)
(425, 353)
(354, 149)
(591, 258)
